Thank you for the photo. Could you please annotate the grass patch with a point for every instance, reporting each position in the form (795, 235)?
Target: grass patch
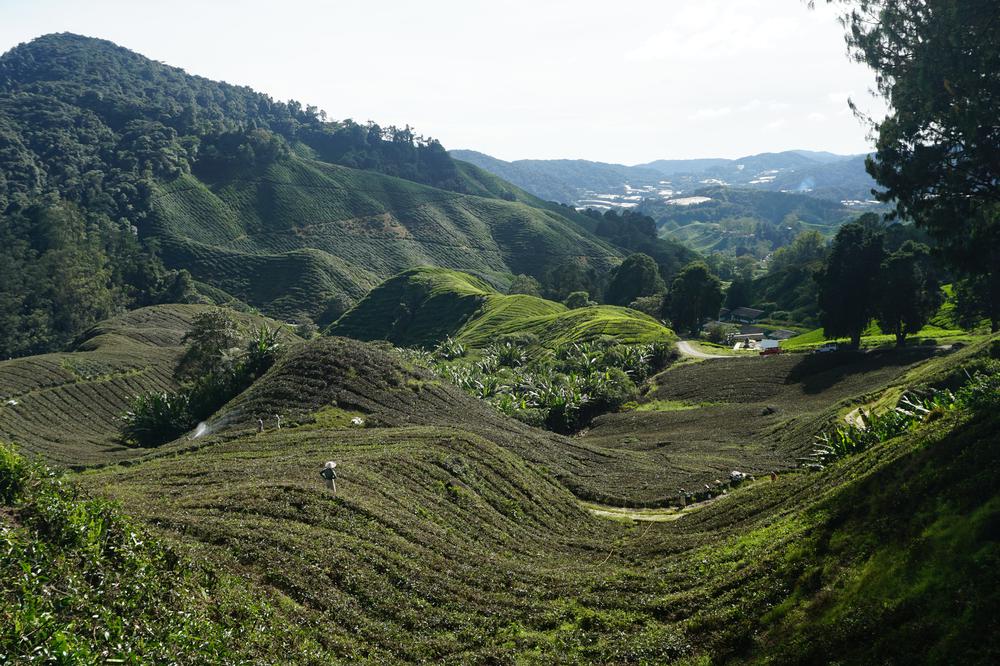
(873, 337)
(335, 417)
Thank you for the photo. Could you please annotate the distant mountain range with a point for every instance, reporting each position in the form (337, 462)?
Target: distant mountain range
(583, 183)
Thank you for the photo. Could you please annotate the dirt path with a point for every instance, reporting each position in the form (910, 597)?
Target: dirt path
(664, 515)
(687, 349)
(853, 418)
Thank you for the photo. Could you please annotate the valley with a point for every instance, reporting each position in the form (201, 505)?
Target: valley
(388, 569)
(277, 388)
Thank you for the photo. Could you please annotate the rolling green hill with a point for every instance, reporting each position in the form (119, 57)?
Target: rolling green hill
(743, 220)
(422, 306)
(174, 188)
(304, 232)
(453, 537)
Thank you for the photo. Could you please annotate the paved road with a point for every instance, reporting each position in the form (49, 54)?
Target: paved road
(685, 349)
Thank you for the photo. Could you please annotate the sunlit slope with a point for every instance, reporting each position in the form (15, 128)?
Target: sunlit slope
(446, 545)
(421, 307)
(66, 406)
(301, 232)
(436, 541)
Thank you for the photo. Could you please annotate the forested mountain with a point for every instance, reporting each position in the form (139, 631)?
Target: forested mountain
(126, 182)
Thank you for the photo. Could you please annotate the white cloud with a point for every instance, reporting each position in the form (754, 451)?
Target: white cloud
(816, 117)
(712, 30)
(710, 113)
(776, 124)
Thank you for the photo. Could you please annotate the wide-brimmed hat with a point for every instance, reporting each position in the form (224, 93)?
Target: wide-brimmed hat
(330, 464)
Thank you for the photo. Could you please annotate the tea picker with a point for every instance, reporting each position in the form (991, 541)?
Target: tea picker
(329, 474)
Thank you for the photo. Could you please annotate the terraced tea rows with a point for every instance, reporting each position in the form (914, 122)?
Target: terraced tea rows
(66, 406)
(455, 535)
(754, 415)
(330, 230)
(444, 545)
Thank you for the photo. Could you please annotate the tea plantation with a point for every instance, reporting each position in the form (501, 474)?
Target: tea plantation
(66, 406)
(457, 535)
(319, 231)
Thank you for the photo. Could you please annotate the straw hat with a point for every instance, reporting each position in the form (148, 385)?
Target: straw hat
(330, 464)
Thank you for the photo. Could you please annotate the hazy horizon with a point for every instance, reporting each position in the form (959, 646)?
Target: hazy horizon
(550, 80)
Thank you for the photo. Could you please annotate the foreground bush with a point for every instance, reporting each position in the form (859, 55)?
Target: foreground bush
(979, 393)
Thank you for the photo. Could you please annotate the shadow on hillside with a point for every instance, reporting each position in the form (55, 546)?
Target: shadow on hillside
(820, 372)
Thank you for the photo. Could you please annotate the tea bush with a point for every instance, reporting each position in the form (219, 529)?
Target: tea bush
(80, 584)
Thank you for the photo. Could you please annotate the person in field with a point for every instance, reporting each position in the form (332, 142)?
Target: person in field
(329, 474)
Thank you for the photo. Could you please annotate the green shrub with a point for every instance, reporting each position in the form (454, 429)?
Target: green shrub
(449, 349)
(577, 300)
(561, 390)
(981, 393)
(82, 584)
(157, 417)
(507, 354)
(608, 390)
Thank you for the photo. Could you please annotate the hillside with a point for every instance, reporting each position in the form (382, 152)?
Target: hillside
(721, 219)
(391, 569)
(137, 184)
(422, 306)
(565, 181)
(303, 234)
(67, 405)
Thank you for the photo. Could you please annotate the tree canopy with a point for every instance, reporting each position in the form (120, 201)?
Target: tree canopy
(937, 64)
(637, 276)
(89, 129)
(695, 295)
(848, 284)
(908, 293)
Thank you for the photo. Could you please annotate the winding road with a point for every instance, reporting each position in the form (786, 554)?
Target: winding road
(685, 349)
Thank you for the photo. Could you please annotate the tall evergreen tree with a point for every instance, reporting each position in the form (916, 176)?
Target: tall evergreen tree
(936, 64)
(848, 282)
(637, 276)
(908, 294)
(695, 295)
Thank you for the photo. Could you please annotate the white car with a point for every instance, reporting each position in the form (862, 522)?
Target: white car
(828, 347)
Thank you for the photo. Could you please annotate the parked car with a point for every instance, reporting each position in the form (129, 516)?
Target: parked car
(771, 351)
(827, 348)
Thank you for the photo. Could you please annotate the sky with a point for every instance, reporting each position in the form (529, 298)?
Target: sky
(628, 81)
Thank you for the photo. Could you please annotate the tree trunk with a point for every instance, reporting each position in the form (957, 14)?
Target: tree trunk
(900, 339)
(856, 339)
